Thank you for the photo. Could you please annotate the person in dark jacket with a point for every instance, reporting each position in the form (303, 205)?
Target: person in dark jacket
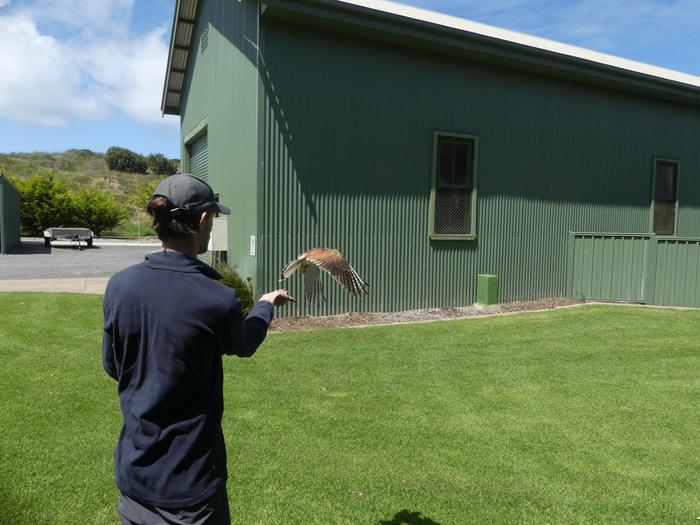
(167, 323)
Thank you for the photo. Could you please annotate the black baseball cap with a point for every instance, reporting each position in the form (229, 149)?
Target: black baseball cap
(189, 193)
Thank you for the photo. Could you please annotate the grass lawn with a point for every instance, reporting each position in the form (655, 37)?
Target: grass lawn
(584, 415)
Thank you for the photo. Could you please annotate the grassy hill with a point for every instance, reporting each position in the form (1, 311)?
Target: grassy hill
(83, 168)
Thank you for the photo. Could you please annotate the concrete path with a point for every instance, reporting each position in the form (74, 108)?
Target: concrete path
(62, 261)
(92, 285)
(33, 267)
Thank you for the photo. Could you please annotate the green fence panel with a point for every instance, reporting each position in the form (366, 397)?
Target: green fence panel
(608, 267)
(642, 268)
(677, 279)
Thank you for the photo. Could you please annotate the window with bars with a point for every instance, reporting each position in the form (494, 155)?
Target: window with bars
(665, 196)
(454, 186)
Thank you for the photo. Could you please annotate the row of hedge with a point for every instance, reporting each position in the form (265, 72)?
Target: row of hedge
(49, 201)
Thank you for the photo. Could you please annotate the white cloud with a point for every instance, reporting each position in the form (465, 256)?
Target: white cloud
(41, 83)
(3, 3)
(89, 17)
(131, 74)
(48, 80)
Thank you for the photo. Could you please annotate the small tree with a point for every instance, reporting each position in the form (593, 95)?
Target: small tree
(122, 159)
(46, 201)
(97, 210)
(159, 164)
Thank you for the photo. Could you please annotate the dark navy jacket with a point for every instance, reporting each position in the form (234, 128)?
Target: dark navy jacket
(167, 323)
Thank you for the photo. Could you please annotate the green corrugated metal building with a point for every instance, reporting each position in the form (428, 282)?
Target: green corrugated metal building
(428, 149)
(9, 215)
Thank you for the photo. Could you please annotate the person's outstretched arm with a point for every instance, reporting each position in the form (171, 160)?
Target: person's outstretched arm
(246, 334)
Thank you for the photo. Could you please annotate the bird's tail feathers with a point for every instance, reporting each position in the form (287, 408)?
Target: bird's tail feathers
(315, 292)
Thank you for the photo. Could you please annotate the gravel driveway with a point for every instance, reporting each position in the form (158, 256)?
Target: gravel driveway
(31, 260)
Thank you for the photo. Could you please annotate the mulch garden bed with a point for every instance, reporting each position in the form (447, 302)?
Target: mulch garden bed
(284, 324)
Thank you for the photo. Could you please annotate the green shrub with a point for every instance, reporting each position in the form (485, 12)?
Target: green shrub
(233, 279)
(45, 201)
(159, 164)
(122, 159)
(97, 210)
(48, 201)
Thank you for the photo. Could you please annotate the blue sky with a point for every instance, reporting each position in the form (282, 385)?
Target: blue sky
(89, 73)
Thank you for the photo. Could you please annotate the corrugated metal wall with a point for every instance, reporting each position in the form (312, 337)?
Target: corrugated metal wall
(348, 128)
(220, 97)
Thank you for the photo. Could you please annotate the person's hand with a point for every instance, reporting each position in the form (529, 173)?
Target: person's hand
(278, 297)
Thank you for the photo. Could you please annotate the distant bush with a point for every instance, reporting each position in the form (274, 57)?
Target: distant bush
(122, 159)
(80, 152)
(74, 159)
(159, 164)
(233, 279)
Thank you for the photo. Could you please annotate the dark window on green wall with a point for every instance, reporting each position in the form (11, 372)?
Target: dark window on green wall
(454, 186)
(665, 196)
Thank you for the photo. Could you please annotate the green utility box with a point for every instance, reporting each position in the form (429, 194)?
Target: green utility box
(487, 290)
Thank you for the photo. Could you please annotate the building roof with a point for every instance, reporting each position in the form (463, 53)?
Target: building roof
(447, 31)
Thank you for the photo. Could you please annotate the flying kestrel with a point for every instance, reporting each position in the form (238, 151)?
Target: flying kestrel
(312, 261)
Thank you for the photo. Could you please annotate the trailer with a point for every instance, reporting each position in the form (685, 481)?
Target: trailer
(77, 235)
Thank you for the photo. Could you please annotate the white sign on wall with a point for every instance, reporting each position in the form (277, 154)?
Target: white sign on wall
(252, 245)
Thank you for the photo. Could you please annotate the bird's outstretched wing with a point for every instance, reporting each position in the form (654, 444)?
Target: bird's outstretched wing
(313, 289)
(332, 261)
(292, 266)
